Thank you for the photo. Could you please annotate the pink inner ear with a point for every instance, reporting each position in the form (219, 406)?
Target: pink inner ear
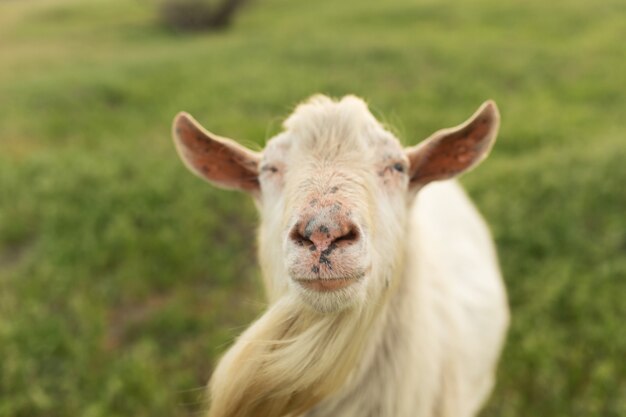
(451, 151)
(215, 159)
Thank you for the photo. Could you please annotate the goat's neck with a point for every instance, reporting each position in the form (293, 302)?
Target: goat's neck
(390, 340)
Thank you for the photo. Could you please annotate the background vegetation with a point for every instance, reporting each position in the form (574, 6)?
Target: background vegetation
(122, 277)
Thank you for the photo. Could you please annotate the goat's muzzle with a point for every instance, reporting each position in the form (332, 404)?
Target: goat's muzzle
(328, 244)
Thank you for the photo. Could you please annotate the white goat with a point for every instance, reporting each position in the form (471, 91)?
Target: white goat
(381, 303)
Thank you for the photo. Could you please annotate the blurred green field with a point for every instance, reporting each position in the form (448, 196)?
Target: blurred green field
(122, 277)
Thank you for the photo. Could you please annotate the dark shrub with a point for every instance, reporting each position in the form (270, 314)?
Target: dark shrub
(199, 14)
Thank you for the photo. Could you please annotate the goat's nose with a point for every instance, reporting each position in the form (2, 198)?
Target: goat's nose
(321, 235)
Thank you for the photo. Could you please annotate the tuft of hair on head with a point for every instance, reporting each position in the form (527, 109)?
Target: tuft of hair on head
(325, 126)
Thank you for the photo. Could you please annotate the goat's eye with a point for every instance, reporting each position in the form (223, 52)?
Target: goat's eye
(270, 169)
(398, 167)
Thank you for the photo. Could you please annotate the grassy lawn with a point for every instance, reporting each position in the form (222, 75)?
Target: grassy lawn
(122, 277)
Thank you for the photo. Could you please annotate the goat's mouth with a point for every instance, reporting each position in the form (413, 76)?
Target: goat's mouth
(327, 284)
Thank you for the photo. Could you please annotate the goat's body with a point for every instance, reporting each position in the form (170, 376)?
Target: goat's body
(375, 310)
(434, 350)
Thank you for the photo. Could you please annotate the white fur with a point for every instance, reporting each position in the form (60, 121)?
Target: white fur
(435, 348)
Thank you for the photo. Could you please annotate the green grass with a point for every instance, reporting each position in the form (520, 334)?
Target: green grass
(122, 277)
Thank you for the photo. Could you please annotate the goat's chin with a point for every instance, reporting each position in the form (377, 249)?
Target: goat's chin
(332, 301)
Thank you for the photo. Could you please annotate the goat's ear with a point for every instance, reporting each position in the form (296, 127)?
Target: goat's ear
(218, 160)
(449, 152)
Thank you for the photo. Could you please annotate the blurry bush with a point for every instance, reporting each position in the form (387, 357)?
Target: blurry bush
(199, 14)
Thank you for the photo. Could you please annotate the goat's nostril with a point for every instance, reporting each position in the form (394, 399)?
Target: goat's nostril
(299, 239)
(348, 238)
